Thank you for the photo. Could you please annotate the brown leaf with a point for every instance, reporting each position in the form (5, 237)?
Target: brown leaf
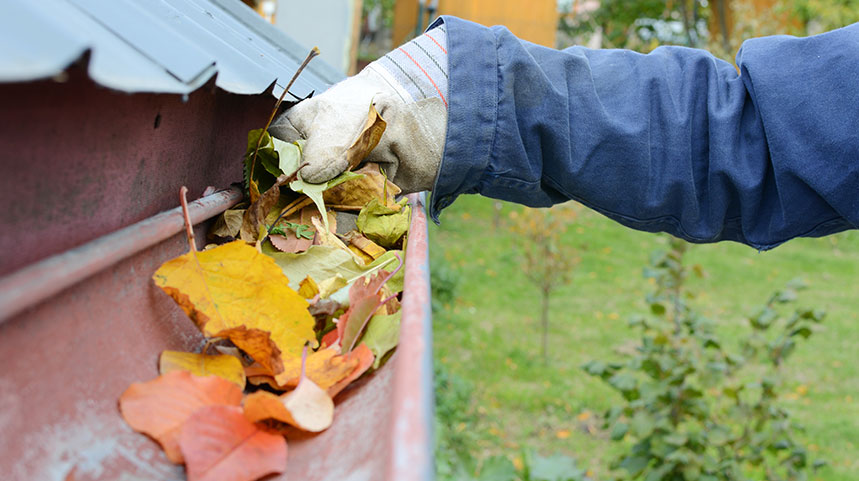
(220, 444)
(367, 140)
(354, 194)
(254, 218)
(228, 224)
(161, 406)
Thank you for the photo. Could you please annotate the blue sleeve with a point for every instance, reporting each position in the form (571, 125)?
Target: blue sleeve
(673, 141)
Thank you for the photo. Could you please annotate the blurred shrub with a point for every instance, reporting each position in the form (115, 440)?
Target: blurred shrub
(694, 409)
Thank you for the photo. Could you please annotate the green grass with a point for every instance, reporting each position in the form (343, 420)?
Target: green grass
(490, 336)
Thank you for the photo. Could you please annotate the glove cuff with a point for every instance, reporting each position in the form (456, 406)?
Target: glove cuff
(418, 69)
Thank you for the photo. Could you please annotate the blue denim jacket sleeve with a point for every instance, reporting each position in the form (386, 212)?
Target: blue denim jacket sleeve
(673, 141)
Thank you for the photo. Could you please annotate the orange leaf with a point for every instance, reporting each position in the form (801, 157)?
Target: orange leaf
(223, 365)
(307, 407)
(160, 407)
(220, 444)
(365, 359)
(234, 291)
(324, 367)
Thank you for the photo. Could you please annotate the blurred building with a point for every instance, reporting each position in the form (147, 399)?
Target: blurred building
(532, 20)
(332, 25)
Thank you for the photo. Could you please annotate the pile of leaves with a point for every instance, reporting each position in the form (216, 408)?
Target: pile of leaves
(292, 312)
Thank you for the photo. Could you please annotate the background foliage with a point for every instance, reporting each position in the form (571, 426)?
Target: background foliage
(488, 334)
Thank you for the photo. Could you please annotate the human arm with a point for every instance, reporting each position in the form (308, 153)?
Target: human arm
(673, 141)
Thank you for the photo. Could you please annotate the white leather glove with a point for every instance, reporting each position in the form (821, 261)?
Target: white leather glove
(408, 88)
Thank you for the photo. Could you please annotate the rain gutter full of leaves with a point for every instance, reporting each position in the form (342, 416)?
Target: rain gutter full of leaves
(42, 280)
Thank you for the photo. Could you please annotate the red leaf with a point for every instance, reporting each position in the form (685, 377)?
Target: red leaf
(364, 299)
(220, 444)
(161, 406)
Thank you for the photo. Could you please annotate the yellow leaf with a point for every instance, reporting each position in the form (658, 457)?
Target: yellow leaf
(562, 434)
(331, 285)
(233, 291)
(308, 288)
(222, 365)
(368, 249)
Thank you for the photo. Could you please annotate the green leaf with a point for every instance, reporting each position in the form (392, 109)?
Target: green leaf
(382, 224)
(265, 170)
(289, 156)
(803, 331)
(554, 468)
(642, 424)
(382, 335)
(497, 468)
(324, 262)
(634, 465)
(619, 431)
(314, 191)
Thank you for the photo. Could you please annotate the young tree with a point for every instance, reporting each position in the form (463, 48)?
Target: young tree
(546, 260)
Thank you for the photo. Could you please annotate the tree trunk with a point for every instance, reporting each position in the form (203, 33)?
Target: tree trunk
(544, 319)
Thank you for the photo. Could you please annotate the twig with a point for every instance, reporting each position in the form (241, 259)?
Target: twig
(189, 229)
(313, 52)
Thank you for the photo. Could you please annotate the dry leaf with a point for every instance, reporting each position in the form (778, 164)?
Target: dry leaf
(228, 224)
(253, 221)
(331, 285)
(365, 359)
(367, 140)
(368, 249)
(324, 367)
(308, 288)
(356, 193)
(220, 444)
(364, 299)
(307, 407)
(161, 406)
(234, 291)
(224, 366)
(327, 238)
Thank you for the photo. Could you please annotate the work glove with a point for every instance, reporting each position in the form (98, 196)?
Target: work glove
(408, 88)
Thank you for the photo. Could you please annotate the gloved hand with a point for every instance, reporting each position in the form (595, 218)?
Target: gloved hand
(408, 88)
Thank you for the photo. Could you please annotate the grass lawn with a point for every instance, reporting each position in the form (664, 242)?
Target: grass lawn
(490, 334)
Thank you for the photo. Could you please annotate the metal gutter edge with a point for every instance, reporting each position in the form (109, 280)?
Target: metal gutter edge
(412, 438)
(41, 280)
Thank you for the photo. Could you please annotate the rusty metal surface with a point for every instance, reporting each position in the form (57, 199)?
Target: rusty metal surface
(44, 279)
(411, 427)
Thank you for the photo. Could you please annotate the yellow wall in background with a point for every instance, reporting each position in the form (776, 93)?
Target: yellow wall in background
(532, 20)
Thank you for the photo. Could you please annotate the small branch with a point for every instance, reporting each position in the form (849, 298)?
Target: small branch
(313, 53)
(189, 229)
